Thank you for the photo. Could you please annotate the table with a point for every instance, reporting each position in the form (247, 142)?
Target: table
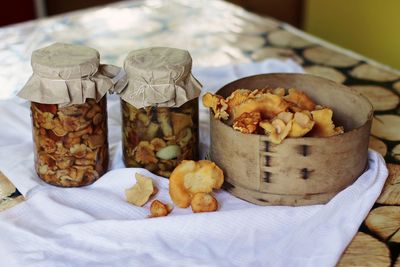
(218, 33)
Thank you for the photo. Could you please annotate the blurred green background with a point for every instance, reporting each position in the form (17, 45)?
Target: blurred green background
(369, 27)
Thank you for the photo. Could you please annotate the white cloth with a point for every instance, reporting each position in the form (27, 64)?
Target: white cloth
(95, 226)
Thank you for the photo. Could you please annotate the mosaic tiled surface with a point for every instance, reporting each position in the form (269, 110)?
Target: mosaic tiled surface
(218, 33)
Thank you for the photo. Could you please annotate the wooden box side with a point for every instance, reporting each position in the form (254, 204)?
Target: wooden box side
(298, 171)
(237, 156)
(315, 165)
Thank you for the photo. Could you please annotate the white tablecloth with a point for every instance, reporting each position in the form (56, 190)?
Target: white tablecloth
(95, 226)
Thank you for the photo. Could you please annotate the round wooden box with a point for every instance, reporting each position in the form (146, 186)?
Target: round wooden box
(299, 171)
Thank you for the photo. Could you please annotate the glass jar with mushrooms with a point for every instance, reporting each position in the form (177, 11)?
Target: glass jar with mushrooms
(159, 138)
(159, 110)
(69, 114)
(71, 147)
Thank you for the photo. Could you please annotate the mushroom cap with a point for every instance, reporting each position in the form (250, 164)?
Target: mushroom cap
(204, 202)
(191, 177)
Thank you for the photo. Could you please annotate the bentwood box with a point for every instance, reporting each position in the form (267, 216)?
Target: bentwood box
(298, 171)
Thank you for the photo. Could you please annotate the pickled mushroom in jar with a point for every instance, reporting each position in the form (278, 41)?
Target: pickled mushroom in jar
(160, 138)
(74, 150)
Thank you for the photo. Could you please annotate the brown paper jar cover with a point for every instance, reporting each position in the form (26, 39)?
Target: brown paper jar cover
(67, 74)
(159, 76)
(67, 91)
(159, 110)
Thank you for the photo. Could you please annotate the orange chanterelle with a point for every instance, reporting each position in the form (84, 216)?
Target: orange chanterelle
(274, 112)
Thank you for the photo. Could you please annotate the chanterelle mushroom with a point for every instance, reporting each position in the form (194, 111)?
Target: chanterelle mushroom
(191, 177)
(159, 209)
(269, 105)
(204, 202)
(300, 99)
(217, 104)
(324, 126)
(302, 124)
(277, 130)
(140, 193)
(247, 122)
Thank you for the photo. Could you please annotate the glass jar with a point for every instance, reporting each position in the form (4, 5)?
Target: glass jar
(68, 94)
(70, 143)
(159, 138)
(160, 111)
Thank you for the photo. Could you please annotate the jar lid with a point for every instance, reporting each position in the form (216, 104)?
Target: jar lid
(159, 76)
(66, 74)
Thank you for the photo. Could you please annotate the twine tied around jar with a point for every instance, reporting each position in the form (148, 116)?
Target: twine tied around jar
(159, 76)
(156, 96)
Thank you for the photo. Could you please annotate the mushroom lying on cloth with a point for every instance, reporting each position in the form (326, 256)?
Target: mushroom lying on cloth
(159, 209)
(141, 192)
(203, 202)
(189, 179)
